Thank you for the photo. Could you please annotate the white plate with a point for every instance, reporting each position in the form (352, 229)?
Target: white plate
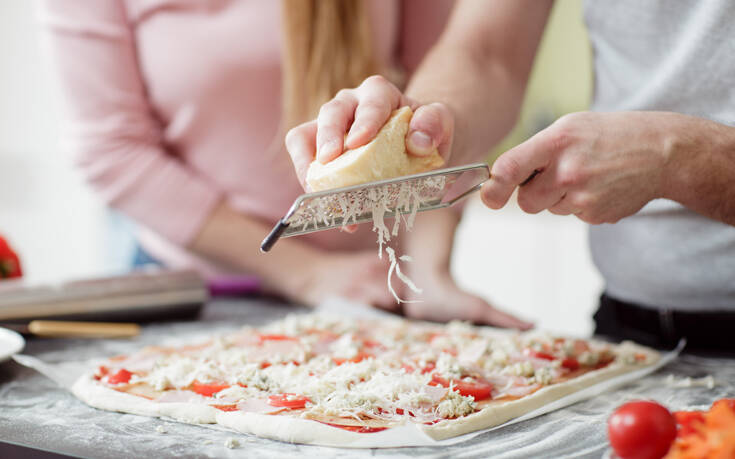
(10, 343)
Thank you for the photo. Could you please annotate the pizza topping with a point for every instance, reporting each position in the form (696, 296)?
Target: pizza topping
(180, 396)
(290, 401)
(121, 377)
(524, 368)
(208, 389)
(543, 376)
(455, 405)
(320, 366)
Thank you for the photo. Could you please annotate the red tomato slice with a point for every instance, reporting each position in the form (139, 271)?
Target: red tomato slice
(358, 429)
(290, 401)
(358, 358)
(275, 337)
(431, 366)
(480, 390)
(101, 372)
(226, 407)
(537, 354)
(570, 363)
(121, 377)
(688, 422)
(641, 430)
(208, 389)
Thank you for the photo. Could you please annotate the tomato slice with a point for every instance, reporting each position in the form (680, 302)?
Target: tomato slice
(570, 363)
(226, 407)
(121, 377)
(431, 366)
(290, 401)
(102, 371)
(208, 389)
(358, 358)
(537, 354)
(480, 390)
(276, 337)
(358, 429)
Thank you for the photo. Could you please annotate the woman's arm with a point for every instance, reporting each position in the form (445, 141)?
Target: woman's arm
(118, 145)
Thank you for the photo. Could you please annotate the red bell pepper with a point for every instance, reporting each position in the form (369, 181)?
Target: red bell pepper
(9, 261)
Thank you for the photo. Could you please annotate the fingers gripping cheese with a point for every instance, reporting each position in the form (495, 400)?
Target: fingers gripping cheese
(383, 158)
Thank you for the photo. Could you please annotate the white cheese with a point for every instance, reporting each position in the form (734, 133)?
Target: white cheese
(455, 405)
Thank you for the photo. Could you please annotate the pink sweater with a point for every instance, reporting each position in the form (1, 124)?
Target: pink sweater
(174, 105)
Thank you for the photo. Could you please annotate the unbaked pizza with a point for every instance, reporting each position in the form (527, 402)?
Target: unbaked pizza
(332, 380)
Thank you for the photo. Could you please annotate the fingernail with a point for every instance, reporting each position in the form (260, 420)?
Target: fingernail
(420, 142)
(328, 150)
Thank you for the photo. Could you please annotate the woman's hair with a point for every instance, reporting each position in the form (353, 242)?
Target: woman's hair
(327, 47)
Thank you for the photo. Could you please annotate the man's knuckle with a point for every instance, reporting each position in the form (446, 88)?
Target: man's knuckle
(374, 80)
(508, 168)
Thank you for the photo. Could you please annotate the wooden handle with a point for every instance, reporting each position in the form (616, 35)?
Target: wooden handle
(65, 329)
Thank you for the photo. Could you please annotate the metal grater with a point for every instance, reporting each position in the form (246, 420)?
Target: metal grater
(338, 207)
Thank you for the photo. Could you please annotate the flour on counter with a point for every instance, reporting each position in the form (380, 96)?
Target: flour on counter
(231, 443)
(707, 381)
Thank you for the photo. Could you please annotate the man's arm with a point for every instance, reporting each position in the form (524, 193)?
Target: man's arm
(602, 167)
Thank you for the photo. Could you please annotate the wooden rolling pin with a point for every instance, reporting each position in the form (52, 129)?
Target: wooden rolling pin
(68, 329)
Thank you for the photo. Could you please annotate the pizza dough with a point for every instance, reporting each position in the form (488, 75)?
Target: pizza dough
(284, 353)
(384, 157)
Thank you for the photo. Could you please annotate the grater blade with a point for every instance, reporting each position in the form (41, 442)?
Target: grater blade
(338, 207)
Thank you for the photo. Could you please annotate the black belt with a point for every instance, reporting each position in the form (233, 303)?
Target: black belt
(663, 327)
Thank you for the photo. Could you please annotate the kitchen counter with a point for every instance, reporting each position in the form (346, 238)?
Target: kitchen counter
(37, 413)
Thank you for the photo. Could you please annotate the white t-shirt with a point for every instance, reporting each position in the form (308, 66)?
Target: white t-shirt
(673, 56)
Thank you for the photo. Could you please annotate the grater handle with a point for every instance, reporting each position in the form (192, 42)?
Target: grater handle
(273, 236)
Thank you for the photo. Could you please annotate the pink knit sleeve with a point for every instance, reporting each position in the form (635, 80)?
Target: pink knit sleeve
(115, 137)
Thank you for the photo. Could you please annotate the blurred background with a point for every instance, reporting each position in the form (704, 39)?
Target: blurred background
(537, 266)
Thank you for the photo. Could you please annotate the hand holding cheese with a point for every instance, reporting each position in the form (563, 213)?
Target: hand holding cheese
(383, 157)
(355, 117)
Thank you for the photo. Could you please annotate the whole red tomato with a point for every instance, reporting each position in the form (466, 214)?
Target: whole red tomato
(641, 430)
(9, 261)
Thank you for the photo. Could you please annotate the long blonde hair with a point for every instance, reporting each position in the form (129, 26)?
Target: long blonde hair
(327, 47)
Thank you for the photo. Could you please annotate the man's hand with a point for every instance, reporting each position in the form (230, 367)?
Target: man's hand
(600, 167)
(354, 117)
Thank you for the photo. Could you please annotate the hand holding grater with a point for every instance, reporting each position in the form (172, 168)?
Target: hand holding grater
(407, 195)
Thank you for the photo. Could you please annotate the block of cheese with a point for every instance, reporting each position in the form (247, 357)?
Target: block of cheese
(382, 158)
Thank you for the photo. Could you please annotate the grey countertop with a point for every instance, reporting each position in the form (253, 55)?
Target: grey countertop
(35, 412)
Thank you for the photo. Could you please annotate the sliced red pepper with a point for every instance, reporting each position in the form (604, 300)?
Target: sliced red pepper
(208, 389)
(688, 422)
(730, 402)
(480, 390)
(121, 377)
(9, 261)
(570, 363)
(290, 401)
